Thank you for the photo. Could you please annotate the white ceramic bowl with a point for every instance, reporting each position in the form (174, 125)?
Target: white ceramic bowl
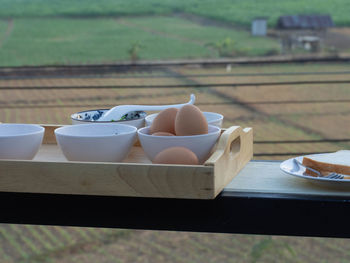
(92, 116)
(201, 145)
(20, 141)
(213, 118)
(101, 142)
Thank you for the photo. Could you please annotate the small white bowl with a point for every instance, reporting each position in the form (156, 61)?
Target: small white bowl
(92, 116)
(201, 145)
(101, 142)
(20, 141)
(213, 118)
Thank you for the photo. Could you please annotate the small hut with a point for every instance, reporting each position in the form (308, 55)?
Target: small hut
(315, 22)
(306, 31)
(259, 26)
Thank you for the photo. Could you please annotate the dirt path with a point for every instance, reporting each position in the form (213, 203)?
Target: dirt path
(9, 29)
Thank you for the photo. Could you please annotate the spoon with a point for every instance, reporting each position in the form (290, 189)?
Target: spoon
(117, 112)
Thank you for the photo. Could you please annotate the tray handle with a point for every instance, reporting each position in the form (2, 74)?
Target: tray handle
(234, 150)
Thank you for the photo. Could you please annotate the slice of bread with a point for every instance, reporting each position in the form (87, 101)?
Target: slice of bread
(338, 162)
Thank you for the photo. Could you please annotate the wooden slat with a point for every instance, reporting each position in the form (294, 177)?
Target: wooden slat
(119, 179)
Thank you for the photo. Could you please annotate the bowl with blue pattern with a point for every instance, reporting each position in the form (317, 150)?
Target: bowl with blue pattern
(134, 118)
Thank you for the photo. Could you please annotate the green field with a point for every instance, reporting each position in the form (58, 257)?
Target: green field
(37, 32)
(36, 41)
(64, 41)
(235, 11)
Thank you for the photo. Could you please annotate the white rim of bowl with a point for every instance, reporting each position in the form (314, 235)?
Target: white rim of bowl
(147, 118)
(139, 131)
(220, 116)
(41, 129)
(57, 131)
(80, 112)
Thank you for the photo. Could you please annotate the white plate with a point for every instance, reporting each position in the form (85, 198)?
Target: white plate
(289, 167)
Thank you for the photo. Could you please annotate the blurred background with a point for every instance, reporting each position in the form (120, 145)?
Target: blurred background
(281, 67)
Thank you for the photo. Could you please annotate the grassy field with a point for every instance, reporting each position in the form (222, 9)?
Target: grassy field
(36, 32)
(65, 41)
(49, 244)
(243, 42)
(234, 11)
(37, 41)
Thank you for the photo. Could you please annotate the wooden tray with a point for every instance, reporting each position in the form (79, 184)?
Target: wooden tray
(50, 172)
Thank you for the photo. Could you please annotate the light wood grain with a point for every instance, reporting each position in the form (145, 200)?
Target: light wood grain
(233, 152)
(49, 135)
(264, 177)
(118, 179)
(50, 172)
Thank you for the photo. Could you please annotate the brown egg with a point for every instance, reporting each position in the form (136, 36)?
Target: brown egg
(163, 134)
(164, 121)
(176, 155)
(190, 121)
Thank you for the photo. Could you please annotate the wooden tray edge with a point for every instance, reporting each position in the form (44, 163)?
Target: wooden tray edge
(234, 150)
